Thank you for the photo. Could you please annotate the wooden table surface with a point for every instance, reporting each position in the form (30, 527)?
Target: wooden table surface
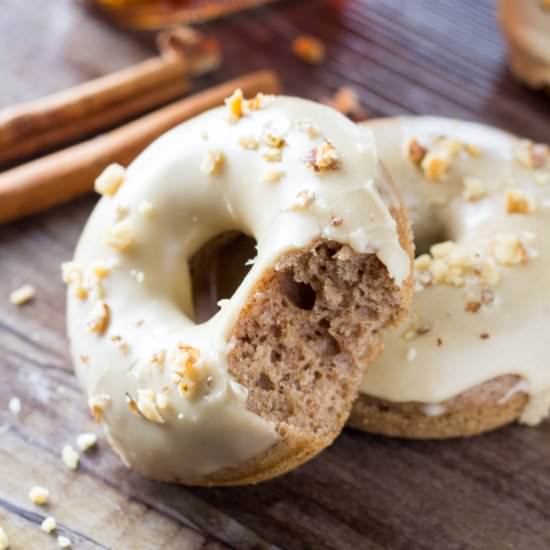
(492, 492)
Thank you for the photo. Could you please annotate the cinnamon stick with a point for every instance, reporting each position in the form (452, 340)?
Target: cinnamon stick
(30, 127)
(64, 175)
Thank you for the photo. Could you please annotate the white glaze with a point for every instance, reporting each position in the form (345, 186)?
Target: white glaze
(170, 208)
(518, 321)
(526, 24)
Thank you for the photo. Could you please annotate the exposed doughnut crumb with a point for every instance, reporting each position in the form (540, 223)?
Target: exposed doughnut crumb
(39, 495)
(304, 199)
(249, 142)
(14, 406)
(146, 403)
(110, 180)
(474, 189)
(324, 158)
(97, 405)
(86, 441)
(98, 320)
(414, 151)
(518, 202)
(158, 358)
(70, 457)
(63, 542)
(509, 250)
(120, 236)
(272, 176)
(4, 540)
(212, 162)
(22, 295)
(49, 524)
(309, 49)
(234, 104)
(532, 155)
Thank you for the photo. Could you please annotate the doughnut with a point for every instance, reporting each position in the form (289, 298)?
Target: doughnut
(269, 380)
(472, 354)
(526, 26)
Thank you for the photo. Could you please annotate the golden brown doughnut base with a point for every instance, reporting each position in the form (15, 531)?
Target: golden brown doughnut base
(473, 412)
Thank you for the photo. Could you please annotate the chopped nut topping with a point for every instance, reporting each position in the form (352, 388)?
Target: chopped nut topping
(307, 126)
(304, 199)
(474, 189)
(22, 295)
(256, 103)
(273, 155)
(146, 208)
(472, 307)
(4, 540)
(39, 495)
(109, 181)
(309, 49)
(235, 104)
(14, 406)
(86, 441)
(119, 236)
(63, 542)
(70, 457)
(435, 166)
(509, 250)
(48, 525)
(324, 158)
(517, 202)
(542, 178)
(532, 155)
(97, 405)
(121, 212)
(335, 221)
(272, 176)
(158, 358)
(415, 152)
(472, 150)
(212, 163)
(162, 401)
(186, 371)
(120, 343)
(100, 270)
(345, 101)
(99, 318)
(72, 275)
(146, 403)
(277, 142)
(249, 142)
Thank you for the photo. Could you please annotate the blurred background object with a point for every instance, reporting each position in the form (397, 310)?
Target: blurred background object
(156, 14)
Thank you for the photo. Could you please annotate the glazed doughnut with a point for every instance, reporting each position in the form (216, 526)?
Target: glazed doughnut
(526, 26)
(472, 355)
(269, 380)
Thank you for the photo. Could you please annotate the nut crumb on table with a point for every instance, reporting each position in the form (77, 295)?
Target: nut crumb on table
(39, 495)
(49, 524)
(22, 295)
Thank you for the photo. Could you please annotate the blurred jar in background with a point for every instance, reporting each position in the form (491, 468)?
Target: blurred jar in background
(156, 14)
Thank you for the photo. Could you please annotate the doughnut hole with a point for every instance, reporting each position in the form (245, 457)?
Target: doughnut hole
(217, 270)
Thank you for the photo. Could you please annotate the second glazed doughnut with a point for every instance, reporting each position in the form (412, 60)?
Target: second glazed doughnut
(473, 354)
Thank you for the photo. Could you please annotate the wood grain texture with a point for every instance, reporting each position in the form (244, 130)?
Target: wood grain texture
(491, 492)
